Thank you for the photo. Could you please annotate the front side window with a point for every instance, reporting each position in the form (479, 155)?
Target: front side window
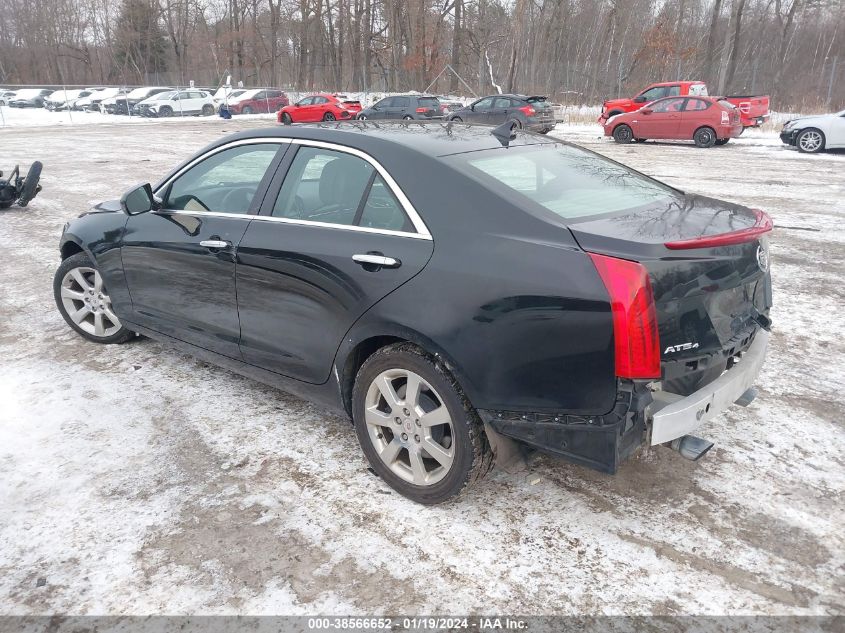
(324, 185)
(668, 105)
(568, 181)
(225, 182)
(384, 103)
(654, 93)
(319, 100)
(306, 101)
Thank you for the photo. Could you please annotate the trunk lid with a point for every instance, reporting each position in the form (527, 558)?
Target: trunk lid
(711, 297)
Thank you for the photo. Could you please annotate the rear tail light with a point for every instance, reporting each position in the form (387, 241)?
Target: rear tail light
(762, 224)
(528, 110)
(422, 110)
(444, 108)
(636, 340)
(725, 117)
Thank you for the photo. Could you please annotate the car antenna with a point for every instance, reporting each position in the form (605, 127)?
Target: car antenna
(506, 132)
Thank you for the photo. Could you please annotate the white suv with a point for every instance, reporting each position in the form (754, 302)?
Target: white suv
(183, 103)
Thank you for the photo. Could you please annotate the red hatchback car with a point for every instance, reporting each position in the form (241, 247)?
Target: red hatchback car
(706, 120)
(260, 100)
(319, 107)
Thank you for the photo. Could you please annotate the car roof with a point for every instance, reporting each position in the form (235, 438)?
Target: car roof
(432, 139)
(675, 83)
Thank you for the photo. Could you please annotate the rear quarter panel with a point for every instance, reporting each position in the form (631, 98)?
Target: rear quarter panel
(509, 301)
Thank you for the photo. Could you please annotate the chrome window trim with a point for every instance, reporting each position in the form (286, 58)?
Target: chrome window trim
(422, 230)
(246, 141)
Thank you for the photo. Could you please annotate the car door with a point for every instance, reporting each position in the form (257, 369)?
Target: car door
(379, 109)
(660, 120)
(299, 112)
(399, 108)
(499, 111)
(335, 235)
(179, 261)
(836, 134)
(480, 110)
(696, 113)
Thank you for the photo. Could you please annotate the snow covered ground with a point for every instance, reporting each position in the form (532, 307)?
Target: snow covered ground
(137, 480)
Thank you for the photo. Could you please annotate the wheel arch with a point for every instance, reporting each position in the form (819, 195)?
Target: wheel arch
(71, 245)
(358, 347)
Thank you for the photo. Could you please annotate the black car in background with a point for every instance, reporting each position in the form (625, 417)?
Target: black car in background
(529, 113)
(443, 286)
(405, 107)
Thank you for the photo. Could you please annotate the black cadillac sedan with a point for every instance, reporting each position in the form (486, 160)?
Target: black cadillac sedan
(449, 289)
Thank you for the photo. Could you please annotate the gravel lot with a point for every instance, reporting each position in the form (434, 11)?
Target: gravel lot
(136, 480)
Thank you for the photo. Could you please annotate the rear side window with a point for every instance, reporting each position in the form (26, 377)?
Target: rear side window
(429, 102)
(502, 102)
(324, 185)
(401, 102)
(694, 105)
(698, 90)
(567, 181)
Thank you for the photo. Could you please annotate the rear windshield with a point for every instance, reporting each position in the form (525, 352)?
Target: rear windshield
(432, 102)
(535, 99)
(568, 181)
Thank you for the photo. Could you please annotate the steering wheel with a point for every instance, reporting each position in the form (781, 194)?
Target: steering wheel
(232, 202)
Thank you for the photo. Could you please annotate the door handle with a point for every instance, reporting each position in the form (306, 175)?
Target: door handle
(377, 260)
(215, 244)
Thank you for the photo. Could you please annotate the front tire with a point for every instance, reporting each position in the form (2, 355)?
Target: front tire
(810, 141)
(704, 137)
(623, 134)
(84, 302)
(165, 111)
(286, 119)
(247, 110)
(418, 431)
(207, 109)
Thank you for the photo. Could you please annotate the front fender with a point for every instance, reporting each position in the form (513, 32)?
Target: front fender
(99, 234)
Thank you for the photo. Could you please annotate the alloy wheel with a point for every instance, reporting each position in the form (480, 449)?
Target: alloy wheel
(410, 427)
(810, 141)
(87, 303)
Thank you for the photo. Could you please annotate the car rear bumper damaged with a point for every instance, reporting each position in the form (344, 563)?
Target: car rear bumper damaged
(674, 416)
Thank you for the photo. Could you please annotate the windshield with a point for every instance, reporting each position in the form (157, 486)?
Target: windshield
(568, 181)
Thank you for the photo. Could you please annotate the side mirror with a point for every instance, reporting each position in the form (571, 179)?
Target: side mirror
(472, 107)
(138, 200)
(640, 99)
(647, 111)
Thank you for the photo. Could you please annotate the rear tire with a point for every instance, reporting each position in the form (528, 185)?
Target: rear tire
(207, 109)
(247, 110)
(704, 137)
(438, 447)
(165, 111)
(516, 124)
(361, 117)
(407, 117)
(84, 303)
(328, 116)
(810, 141)
(457, 119)
(623, 134)
(30, 184)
